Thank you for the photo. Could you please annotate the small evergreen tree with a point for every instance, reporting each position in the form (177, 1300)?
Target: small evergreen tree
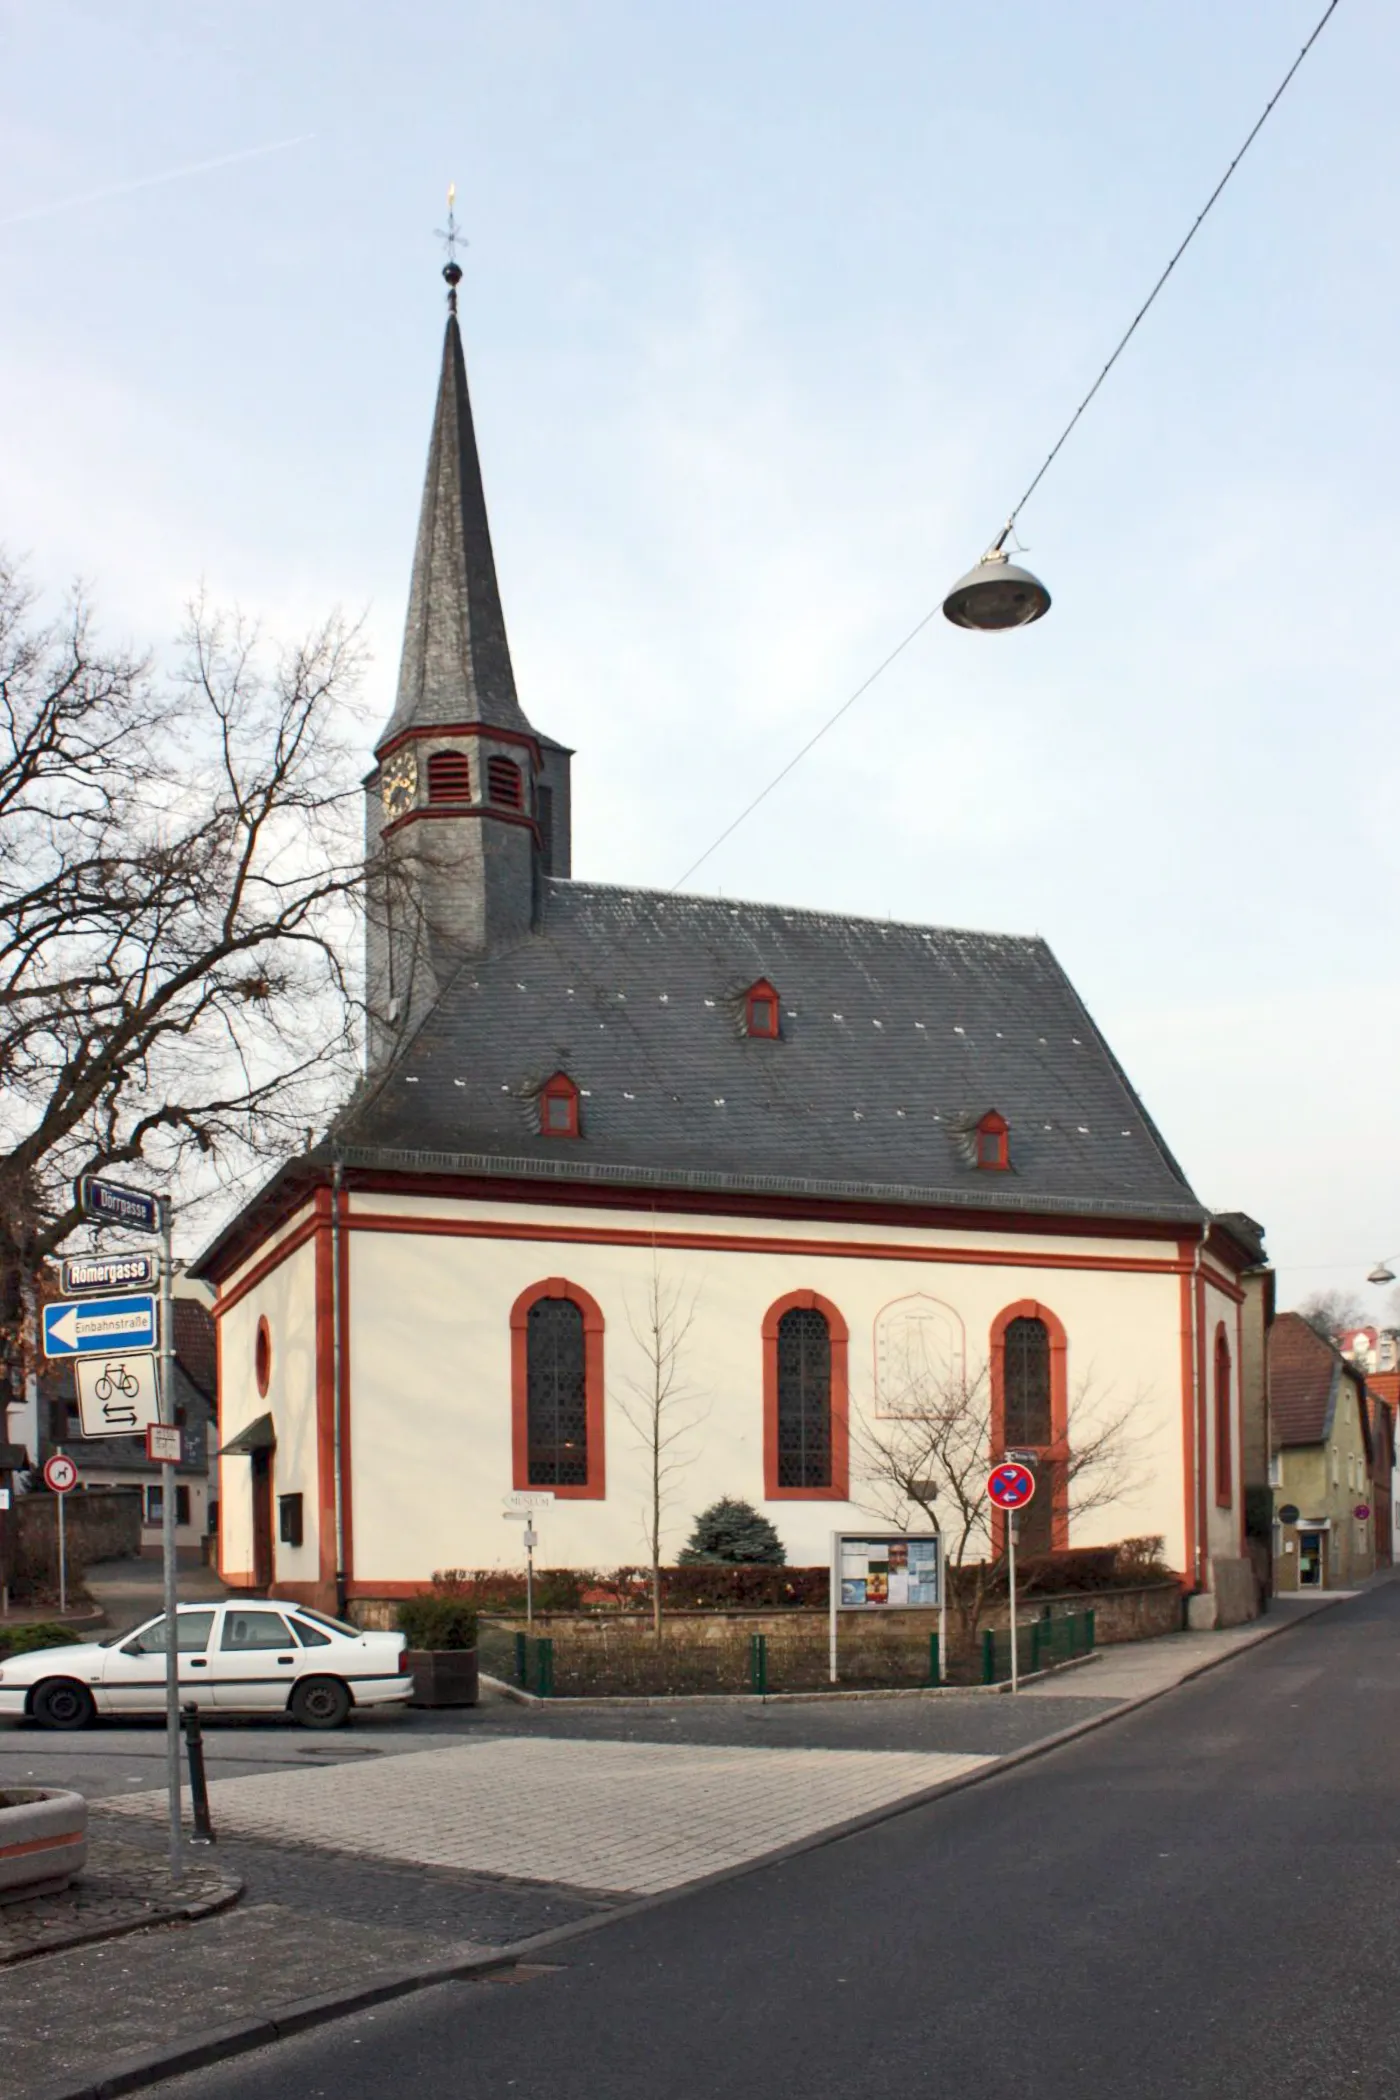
(731, 1534)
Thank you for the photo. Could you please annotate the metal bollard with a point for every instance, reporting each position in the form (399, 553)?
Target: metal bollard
(203, 1833)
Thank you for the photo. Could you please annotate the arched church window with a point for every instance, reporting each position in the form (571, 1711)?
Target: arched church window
(557, 1390)
(805, 1431)
(503, 783)
(1026, 1384)
(449, 777)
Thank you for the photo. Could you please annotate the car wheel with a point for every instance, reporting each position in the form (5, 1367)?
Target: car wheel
(321, 1702)
(60, 1703)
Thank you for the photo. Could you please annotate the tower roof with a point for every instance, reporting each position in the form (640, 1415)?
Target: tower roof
(456, 661)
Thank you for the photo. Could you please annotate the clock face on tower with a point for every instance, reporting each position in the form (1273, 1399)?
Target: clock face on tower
(398, 783)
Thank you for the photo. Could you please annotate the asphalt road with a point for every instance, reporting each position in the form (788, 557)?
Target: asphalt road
(1199, 1900)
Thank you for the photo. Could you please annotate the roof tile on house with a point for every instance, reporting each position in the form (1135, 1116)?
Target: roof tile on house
(1305, 1375)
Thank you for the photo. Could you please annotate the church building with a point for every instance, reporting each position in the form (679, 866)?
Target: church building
(867, 1166)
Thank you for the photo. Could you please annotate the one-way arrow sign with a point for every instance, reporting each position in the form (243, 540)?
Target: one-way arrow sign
(115, 1325)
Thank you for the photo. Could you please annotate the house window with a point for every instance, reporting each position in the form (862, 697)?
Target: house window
(1030, 1412)
(155, 1505)
(761, 1011)
(1224, 1458)
(559, 1107)
(449, 777)
(993, 1142)
(503, 784)
(557, 1390)
(805, 1380)
(289, 1519)
(262, 1358)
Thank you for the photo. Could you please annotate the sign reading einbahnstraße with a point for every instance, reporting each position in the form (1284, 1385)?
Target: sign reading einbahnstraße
(83, 1326)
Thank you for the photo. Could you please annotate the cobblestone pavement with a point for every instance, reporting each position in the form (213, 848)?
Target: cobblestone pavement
(625, 1817)
(123, 1885)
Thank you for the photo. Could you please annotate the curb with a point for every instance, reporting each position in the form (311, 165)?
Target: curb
(131, 2073)
(178, 1914)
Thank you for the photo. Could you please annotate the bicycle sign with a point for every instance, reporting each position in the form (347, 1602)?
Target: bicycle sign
(117, 1395)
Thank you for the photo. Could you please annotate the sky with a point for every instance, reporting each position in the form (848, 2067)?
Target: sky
(771, 313)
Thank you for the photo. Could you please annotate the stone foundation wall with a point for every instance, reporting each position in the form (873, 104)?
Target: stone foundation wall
(99, 1524)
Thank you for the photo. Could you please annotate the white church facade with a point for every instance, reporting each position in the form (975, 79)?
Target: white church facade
(851, 1153)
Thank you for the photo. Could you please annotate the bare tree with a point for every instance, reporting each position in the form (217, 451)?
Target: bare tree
(661, 1405)
(178, 864)
(1330, 1313)
(930, 1458)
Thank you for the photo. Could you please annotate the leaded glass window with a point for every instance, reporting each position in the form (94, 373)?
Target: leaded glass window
(556, 1394)
(804, 1399)
(1026, 1384)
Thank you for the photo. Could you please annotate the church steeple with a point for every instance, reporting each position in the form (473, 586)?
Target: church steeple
(467, 810)
(456, 661)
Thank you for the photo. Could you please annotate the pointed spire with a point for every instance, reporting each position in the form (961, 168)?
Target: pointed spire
(456, 661)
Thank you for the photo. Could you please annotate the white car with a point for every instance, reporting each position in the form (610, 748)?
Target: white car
(255, 1658)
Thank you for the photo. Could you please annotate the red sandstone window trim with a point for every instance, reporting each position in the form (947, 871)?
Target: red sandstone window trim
(1055, 1454)
(559, 1108)
(1224, 1445)
(993, 1143)
(449, 777)
(761, 1012)
(505, 787)
(839, 1489)
(595, 1488)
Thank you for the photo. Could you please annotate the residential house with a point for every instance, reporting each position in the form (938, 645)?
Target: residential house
(1324, 1499)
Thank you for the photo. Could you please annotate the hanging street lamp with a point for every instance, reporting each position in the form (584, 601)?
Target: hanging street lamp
(996, 594)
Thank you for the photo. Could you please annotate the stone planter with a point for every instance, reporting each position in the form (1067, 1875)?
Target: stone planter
(442, 1676)
(43, 1840)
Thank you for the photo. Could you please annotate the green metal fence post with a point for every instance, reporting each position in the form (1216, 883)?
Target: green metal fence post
(544, 1653)
(758, 1663)
(521, 1662)
(935, 1670)
(1037, 1627)
(989, 1657)
(1089, 1619)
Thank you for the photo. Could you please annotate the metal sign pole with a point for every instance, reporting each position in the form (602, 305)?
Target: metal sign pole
(167, 1535)
(835, 1587)
(531, 1541)
(942, 1610)
(62, 1553)
(1013, 1525)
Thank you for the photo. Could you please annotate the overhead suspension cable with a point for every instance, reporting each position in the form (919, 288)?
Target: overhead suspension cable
(1045, 465)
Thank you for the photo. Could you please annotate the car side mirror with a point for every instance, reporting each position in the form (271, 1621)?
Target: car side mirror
(136, 1647)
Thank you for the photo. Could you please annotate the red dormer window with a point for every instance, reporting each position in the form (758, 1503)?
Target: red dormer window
(559, 1107)
(761, 1011)
(503, 783)
(449, 777)
(992, 1142)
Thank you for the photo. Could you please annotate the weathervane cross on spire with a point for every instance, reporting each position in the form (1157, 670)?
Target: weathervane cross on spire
(451, 240)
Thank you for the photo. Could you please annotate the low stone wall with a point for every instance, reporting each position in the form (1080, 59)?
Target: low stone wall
(99, 1524)
(1137, 1612)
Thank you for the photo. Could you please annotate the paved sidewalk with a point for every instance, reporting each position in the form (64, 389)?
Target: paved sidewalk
(625, 1818)
(1138, 1668)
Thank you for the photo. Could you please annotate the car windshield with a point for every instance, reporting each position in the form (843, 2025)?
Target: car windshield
(323, 1618)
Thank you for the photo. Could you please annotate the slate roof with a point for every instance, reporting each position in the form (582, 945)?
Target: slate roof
(895, 1039)
(456, 662)
(1305, 1376)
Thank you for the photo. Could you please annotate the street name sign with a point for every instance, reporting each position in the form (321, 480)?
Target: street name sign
(108, 1272)
(60, 1473)
(85, 1326)
(137, 1209)
(163, 1442)
(117, 1395)
(1011, 1485)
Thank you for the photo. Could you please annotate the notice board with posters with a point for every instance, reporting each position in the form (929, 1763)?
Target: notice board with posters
(884, 1570)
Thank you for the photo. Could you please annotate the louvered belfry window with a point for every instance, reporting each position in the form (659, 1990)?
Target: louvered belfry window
(503, 782)
(1026, 1384)
(449, 777)
(556, 1399)
(804, 1399)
